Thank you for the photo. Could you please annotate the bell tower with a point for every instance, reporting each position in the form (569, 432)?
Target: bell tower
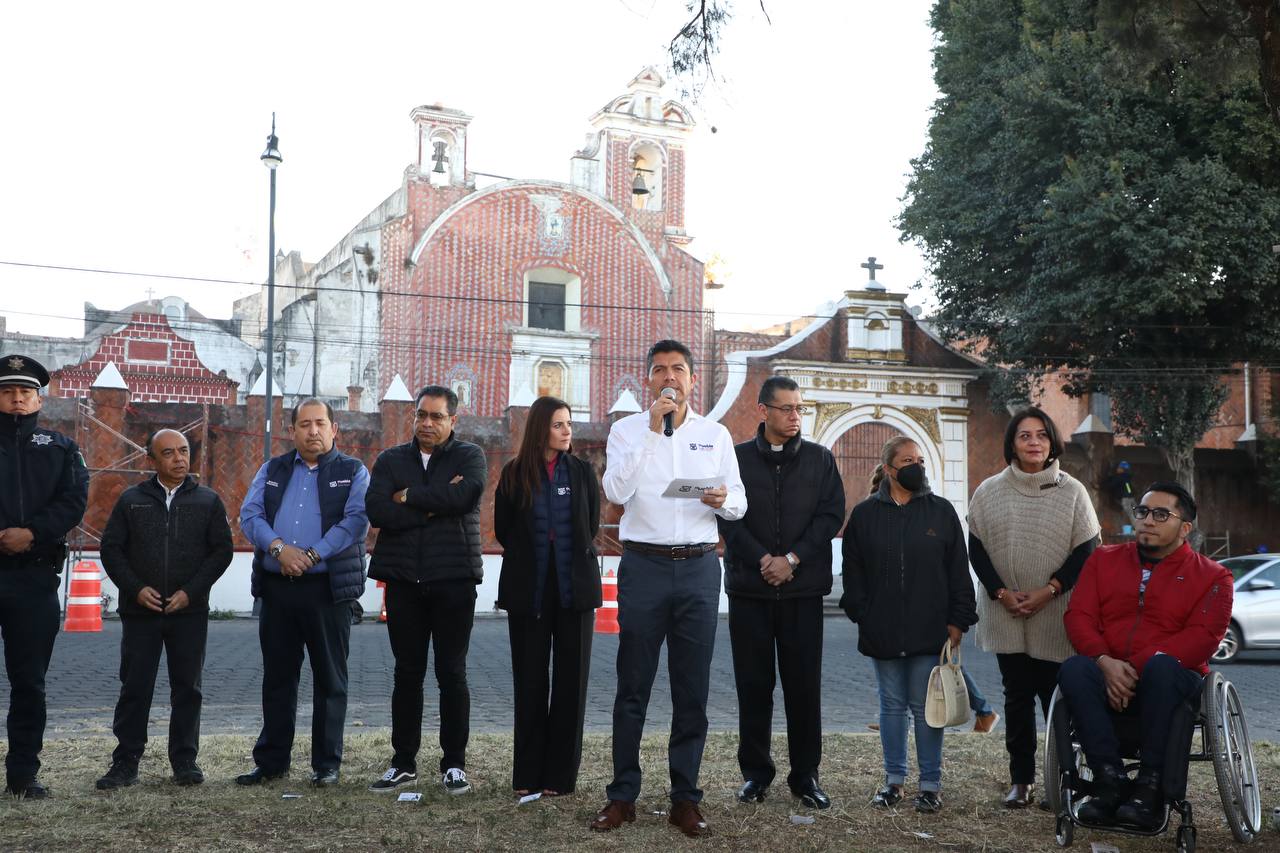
(635, 158)
(442, 144)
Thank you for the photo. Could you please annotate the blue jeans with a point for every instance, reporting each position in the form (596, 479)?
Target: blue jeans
(977, 702)
(903, 682)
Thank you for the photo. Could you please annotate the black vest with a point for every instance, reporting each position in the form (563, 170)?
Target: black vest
(337, 470)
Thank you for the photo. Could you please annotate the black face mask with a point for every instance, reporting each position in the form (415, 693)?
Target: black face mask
(911, 477)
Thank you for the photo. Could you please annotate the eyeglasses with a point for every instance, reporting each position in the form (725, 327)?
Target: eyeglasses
(789, 410)
(1159, 513)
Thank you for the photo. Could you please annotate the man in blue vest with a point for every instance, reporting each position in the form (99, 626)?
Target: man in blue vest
(305, 516)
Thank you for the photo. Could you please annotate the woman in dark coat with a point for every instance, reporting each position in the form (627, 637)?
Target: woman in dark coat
(907, 585)
(546, 513)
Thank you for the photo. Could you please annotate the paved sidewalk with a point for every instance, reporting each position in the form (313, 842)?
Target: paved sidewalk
(83, 683)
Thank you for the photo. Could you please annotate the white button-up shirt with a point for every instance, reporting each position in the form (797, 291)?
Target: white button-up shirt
(641, 464)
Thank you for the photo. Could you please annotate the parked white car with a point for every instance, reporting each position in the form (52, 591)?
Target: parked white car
(1255, 612)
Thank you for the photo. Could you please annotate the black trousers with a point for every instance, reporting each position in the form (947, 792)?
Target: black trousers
(417, 616)
(548, 736)
(28, 626)
(1162, 686)
(1026, 679)
(790, 631)
(182, 635)
(676, 602)
(296, 615)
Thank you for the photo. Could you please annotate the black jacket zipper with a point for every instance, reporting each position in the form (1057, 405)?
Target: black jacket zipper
(168, 534)
(17, 461)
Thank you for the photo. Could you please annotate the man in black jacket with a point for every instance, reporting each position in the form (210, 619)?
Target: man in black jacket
(44, 486)
(165, 545)
(777, 569)
(424, 498)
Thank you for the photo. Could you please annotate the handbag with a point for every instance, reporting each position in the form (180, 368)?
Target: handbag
(946, 703)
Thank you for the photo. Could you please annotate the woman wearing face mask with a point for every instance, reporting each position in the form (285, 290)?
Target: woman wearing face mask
(546, 512)
(1031, 527)
(906, 584)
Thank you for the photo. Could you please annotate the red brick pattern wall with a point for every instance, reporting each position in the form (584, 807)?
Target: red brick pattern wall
(452, 311)
(164, 367)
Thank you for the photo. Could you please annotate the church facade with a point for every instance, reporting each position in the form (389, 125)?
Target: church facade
(511, 290)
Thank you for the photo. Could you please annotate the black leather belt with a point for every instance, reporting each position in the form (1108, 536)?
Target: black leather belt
(671, 552)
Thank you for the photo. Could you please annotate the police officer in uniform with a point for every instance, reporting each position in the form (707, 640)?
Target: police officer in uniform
(44, 487)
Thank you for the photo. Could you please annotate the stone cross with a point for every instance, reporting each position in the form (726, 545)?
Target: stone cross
(871, 266)
(151, 294)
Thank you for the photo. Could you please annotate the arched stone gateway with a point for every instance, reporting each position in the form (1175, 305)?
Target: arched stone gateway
(867, 370)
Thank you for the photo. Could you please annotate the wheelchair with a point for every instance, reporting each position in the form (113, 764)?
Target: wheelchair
(1215, 719)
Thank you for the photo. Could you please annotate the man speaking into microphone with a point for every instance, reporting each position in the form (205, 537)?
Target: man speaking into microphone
(673, 472)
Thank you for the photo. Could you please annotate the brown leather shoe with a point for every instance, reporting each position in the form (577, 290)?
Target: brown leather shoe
(685, 815)
(1019, 797)
(984, 723)
(613, 815)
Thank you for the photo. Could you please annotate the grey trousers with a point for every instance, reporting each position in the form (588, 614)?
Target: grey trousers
(676, 601)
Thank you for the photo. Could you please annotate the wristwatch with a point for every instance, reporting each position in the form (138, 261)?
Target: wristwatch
(793, 560)
(404, 496)
(276, 550)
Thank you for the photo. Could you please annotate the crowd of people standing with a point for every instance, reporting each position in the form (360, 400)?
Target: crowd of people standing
(776, 500)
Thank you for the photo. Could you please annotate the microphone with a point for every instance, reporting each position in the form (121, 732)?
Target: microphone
(667, 420)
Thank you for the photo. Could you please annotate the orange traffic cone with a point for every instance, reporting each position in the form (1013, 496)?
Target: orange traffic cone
(84, 603)
(607, 614)
(382, 614)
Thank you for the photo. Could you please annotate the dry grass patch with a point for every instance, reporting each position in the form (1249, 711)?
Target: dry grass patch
(156, 815)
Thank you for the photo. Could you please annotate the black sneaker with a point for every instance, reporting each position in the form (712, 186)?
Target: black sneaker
(188, 774)
(121, 774)
(455, 781)
(1145, 807)
(928, 802)
(887, 797)
(392, 779)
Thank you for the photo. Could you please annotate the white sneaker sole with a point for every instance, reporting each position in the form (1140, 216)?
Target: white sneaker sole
(408, 783)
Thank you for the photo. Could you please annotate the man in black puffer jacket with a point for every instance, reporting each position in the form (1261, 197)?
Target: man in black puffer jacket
(777, 569)
(165, 545)
(424, 498)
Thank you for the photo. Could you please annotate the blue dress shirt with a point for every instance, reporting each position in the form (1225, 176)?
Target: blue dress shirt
(297, 521)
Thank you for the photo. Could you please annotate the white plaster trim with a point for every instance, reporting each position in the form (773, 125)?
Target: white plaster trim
(397, 392)
(737, 361)
(110, 378)
(1089, 425)
(626, 403)
(663, 281)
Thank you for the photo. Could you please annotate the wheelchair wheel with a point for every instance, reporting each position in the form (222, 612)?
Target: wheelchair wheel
(1227, 733)
(1186, 839)
(1064, 831)
(1053, 766)
(1054, 780)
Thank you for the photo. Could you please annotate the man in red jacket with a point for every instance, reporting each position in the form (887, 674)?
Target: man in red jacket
(1144, 617)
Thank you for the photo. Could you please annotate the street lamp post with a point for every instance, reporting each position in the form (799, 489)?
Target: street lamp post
(271, 159)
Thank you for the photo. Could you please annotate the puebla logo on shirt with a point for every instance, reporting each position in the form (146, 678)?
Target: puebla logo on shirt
(693, 445)
(333, 484)
(562, 490)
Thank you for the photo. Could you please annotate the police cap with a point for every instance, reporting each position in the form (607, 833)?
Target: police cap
(22, 370)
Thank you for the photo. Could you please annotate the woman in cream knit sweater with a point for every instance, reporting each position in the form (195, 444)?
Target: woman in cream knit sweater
(1031, 527)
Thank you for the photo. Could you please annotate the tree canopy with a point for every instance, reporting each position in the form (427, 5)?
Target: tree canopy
(1102, 207)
